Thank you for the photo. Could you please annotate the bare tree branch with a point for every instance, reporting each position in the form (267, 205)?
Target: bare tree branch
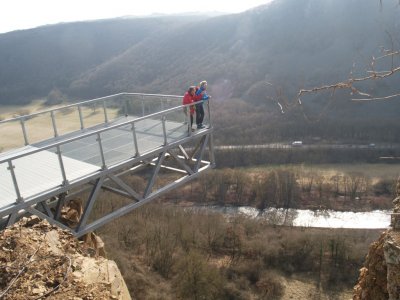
(371, 75)
(377, 98)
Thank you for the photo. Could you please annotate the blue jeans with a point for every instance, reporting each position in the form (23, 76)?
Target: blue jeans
(199, 114)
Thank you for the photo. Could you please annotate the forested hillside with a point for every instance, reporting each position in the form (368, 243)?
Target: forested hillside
(33, 62)
(254, 59)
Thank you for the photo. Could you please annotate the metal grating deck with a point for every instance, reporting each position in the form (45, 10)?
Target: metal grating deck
(39, 172)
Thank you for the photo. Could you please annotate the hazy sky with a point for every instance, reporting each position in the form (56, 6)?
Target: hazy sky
(23, 14)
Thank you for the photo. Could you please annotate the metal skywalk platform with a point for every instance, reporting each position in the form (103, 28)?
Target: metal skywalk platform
(92, 145)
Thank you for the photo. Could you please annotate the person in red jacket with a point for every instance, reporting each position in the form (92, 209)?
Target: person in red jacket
(189, 98)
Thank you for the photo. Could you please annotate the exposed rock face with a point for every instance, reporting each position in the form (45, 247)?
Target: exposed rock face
(372, 283)
(392, 258)
(38, 261)
(380, 276)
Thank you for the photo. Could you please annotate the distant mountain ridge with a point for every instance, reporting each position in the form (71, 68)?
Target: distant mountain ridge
(292, 44)
(34, 61)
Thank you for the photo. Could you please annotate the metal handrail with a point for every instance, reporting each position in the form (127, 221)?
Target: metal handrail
(86, 102)
(97, 131)
(22, 120)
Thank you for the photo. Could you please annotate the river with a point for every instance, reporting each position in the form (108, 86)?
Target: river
(378, 219)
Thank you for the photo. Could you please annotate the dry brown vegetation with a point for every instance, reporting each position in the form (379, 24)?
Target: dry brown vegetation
(291, 187)
(194, 255)
(167, 252)
(40, 127)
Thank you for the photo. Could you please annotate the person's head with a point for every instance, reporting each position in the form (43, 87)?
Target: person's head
(203, 85)
(192, 90)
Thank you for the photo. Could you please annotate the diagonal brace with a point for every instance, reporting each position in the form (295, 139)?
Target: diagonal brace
(90, 203)
(150, 184)
(204, 142)
(182, 164)
(125, 187)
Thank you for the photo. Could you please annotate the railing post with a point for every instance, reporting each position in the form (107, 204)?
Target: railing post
(105, 112)
(53, 121)
(187, 117)
(103, 160)
(211, 150)
(135, 140)
(142, 106)
(163, 118)
(22, 120)
(14, 179)
(209, 113)
(62, 168)
(126, 107)
(80, 117)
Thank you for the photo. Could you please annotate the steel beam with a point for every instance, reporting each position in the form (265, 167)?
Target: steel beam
(203, 143)
(90, 202)
(46, 209)
(128, 208)
(126, 187)
(43, 216)
(150, 184)
(59, 206)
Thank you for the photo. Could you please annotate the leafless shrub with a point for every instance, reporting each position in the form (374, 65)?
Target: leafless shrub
(384, 187)
(197, 280)
(182, 245)
(161, 246)
(270, 287)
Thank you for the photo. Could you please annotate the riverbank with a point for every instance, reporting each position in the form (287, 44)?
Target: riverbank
(378, 219)
(338, 188)
(247, 156)
(235, 258)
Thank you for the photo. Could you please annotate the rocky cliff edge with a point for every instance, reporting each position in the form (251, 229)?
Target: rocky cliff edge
(38, 260)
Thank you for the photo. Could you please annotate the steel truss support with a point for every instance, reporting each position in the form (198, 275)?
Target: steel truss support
(187, 162)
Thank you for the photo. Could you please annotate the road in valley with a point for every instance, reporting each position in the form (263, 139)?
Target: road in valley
(307, 146)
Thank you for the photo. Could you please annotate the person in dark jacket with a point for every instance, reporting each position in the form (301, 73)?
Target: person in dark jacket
(201, 95)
